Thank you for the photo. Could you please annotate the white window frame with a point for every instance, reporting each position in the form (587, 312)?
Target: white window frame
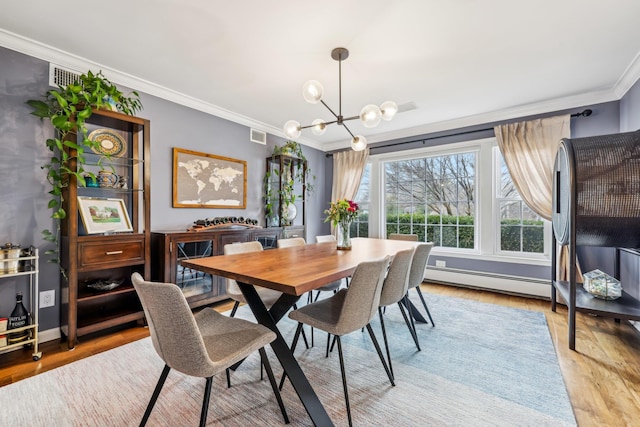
(487, 214)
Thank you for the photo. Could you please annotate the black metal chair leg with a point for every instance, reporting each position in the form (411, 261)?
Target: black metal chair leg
(344, 380)
(386, 343)
(424, 303)
(274, 386)
(377, 346)
(410, 324)
(304, 336)
(328, 340)
(228, 378)
(234, 309)
(205, 402)
(154, 396)
(296, 337)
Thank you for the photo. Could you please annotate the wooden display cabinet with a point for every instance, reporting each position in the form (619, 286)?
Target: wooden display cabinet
(107, 257)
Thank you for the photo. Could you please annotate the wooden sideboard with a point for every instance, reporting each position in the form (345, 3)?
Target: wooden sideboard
(170, 248)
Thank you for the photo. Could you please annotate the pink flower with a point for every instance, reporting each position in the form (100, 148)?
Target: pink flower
(341, 210)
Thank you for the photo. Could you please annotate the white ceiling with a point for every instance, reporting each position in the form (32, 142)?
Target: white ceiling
(461, 62)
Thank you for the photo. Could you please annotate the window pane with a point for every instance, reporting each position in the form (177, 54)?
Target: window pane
(510, 238)
(521, 229)
(510, 212)
(466, 237)
(360, 227)
(449, 237)
(533, 239)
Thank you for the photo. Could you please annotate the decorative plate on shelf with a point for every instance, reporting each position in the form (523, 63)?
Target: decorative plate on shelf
(110, 142)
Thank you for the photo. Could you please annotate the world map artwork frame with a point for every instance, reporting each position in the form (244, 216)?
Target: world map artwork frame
(196, 186)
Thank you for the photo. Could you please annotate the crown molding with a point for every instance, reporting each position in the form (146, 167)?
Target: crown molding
(628, 78)
(558, 104)
(65, 59)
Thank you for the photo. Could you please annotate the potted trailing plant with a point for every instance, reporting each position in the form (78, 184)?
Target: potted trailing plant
(68, 108)
(286, 193)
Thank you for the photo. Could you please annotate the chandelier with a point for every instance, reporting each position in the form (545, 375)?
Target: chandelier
(370, 115)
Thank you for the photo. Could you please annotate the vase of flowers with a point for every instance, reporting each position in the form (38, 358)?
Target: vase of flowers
(341, 214)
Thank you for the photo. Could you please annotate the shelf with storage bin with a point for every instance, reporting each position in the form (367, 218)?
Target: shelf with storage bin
(625, 307)
(28, 265)
(92, 253)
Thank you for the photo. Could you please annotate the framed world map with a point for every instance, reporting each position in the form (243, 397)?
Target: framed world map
(202, 180)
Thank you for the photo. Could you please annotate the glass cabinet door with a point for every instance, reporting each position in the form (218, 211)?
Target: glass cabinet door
(194, 282)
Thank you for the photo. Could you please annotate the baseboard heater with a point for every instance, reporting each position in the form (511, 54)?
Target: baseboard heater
(499, 282)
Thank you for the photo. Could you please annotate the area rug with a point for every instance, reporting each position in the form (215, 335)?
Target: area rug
(481, 365)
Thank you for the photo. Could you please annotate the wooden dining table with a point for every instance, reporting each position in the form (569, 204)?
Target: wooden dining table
(294, 271)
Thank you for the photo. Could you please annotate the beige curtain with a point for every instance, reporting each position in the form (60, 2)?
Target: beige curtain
(348, 167)
(529, 151)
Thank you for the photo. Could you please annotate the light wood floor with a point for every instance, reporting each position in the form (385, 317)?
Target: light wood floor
(602, 376)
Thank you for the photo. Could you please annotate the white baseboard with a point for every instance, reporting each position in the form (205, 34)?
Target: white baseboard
(49, 335)
(498, 282)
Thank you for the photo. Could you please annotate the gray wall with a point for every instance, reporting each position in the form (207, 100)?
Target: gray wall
(23, 192)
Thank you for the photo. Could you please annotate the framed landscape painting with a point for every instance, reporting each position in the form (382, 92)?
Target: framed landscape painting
(202, 180)
(104, 215)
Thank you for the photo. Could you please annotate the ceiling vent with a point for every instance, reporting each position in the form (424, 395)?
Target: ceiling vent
(59, 76)
(258, 136)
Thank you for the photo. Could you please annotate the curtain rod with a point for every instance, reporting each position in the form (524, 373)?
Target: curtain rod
(585, 113)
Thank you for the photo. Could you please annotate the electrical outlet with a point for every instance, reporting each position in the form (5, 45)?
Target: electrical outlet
(441, 263)
(47, 298)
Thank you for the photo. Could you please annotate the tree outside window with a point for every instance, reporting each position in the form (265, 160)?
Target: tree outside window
(433, 197)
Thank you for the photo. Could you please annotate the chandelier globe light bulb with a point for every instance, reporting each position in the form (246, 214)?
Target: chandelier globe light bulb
(292, 129)
(370, 116)
(389, 110)
(358, 143)
(312, 91)
(318, 127)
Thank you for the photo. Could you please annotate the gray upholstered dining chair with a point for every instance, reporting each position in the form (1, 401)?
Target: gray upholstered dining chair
(347, 311)
(394, 290)
(292, 241)
(328, 238)
(416, 276)
(333, 286)
(200, 345)
(268, 296)
(407, 237)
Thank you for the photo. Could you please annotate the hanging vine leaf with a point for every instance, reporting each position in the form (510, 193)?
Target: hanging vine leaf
(68, 108)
